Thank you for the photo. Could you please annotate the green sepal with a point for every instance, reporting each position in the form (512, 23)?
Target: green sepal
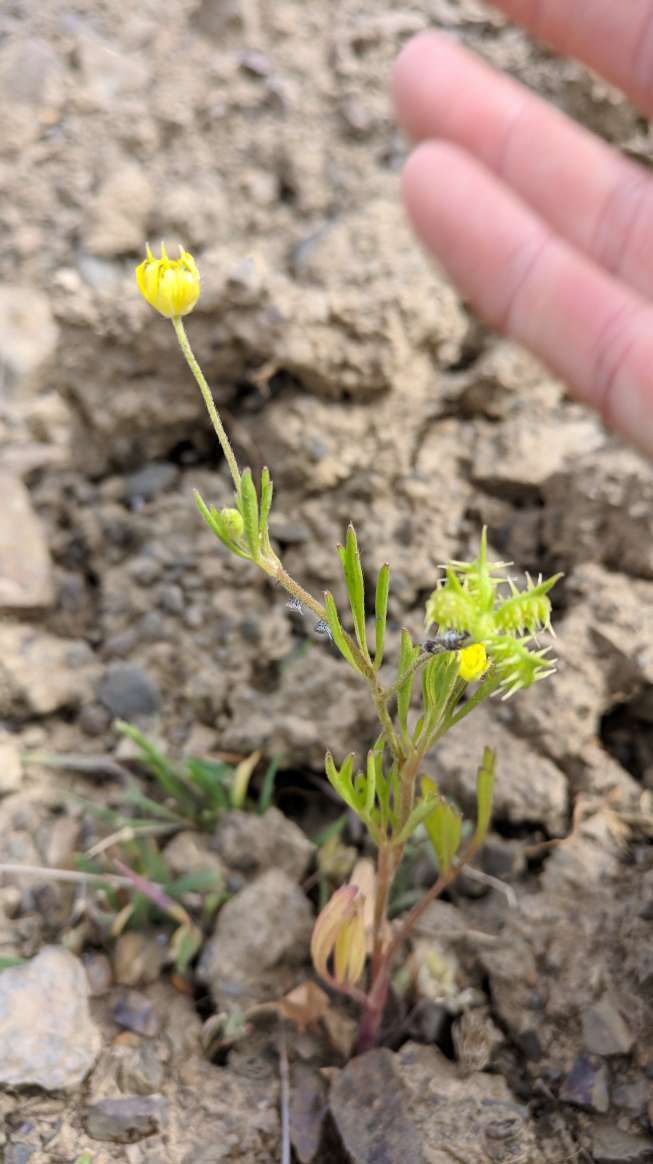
(484, 793)
(335, 626)
(353, 572)
(217, 526)
(381, 612)
(407, 657)
(247, 502)
(444, 827)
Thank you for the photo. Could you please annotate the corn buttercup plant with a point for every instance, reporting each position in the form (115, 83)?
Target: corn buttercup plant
(480, 640)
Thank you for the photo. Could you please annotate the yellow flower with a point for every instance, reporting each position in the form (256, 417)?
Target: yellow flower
(171, 286)
(340, 932)
(472, 662)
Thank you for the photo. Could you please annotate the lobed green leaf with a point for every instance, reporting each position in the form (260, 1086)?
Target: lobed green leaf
(484, 793)
(247, 502)
(353, 572)
(335, 626)
(381, 612)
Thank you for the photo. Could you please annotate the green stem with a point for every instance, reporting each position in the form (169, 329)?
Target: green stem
(208, 400)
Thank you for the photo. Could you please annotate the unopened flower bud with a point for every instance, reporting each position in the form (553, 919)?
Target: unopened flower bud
(171, 286)
(339, 933)
(233, 522)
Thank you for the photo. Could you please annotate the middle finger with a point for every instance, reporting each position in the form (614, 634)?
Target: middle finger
(588, 193)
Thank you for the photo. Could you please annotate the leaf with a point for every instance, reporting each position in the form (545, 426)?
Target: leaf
(484, 793)
(247, 502)
(267, 787)
(196, 881)
(7, 961)
(381, 612)
(438, 679)
(266, 500)
(417, 817)
(305, 1005)
(353, 572)
(370, 784)
(184, 944)
(444, 827)
(407, 656)
(171, 782)
(242, 777)
(213, 779)
(335, 626)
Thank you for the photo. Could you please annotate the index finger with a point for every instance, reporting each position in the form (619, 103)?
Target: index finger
(615, 39)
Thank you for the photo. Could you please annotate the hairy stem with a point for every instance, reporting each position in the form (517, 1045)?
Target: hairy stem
(218, 426)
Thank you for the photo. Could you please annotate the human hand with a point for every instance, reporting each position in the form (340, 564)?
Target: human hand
(547, 231)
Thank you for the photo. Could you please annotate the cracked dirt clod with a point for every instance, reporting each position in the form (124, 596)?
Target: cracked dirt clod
(260, 942)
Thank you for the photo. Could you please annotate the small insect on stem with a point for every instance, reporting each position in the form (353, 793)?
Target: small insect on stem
(449, 640)
(322, 628)
(295, 605)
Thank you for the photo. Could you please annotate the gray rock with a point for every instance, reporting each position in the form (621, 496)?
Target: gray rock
(26, 582)
(369, 1107)
(254, 843)
(128, 692)
(98, 973)
(28, 334)
(537, 798)
(135, 1012)
(152, 480)
(141, 1070)
(40, 673)
(634, 1096)
(604, 1030)
(123, 1120)
(416, 1106)
(610, 1145)
(47, 1038)
(261, 939)
(18, 1153)
(137, 959)
(117, 217)
(586, 1085)
(11, 768)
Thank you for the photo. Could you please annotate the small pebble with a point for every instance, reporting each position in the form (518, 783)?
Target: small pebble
(135, 1012)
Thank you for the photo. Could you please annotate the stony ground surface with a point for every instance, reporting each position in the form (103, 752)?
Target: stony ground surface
(260, 135)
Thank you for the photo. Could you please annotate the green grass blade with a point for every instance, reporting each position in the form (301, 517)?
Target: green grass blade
(267, 787)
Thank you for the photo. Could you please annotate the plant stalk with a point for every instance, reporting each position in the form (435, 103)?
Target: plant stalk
(207, 397)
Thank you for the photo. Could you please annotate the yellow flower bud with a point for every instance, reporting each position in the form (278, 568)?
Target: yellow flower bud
(472, 662)
(171, 286)
(234, 523)
(339, 932)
